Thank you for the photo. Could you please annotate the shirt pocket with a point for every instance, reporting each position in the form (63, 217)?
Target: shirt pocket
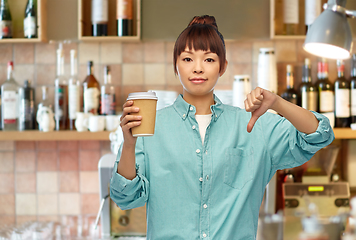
(238, 169)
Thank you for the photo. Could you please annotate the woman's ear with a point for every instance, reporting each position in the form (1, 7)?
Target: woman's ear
(224, 69)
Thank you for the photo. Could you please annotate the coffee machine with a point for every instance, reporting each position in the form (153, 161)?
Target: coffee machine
(331, 198)
(114, 221)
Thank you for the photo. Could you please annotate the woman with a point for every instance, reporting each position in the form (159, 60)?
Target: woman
(203, 174)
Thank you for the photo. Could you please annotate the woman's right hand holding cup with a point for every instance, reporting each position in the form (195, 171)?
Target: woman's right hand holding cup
(129, 121)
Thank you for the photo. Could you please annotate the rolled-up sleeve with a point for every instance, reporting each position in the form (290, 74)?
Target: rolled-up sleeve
(128, 194)
(290, 148)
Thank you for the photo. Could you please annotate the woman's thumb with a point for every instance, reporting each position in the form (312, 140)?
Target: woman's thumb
(255, 115)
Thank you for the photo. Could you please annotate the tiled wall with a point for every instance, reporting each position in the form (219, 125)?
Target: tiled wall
(46, 180)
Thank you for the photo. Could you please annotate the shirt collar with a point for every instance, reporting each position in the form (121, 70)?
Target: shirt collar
(185, 109)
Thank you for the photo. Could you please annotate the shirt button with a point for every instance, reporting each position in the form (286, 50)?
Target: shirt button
(216, 115)
(193, 126)
(191, 108)
(206, 152)
(197, 151)
(183, 115)
(201, 179)
(205, 206)
(204, 235)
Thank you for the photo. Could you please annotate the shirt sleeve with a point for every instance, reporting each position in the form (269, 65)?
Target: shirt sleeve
(290, 148)
(128, 194)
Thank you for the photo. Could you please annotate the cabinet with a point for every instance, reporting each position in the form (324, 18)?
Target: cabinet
(17, 8)
(276, 19)
(85, 27)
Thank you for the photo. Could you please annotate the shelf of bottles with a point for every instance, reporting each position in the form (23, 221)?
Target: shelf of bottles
(65, 117)
(335, 99)
(109, 20)
(290, 19)
(27, 23)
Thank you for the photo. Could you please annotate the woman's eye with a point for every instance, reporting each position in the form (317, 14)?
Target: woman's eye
(187, 59)
(210, 60)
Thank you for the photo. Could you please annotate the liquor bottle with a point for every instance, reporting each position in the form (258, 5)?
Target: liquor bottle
(27, 107)
(73, 90)
(308, 92)
(99, 17)
(342, 98)
(60, 94)
(5, 20)
(290, 16)
(353, 88)
(312, 11)
(91, 92)
(108, 99)
(124, 17)
(325, 92)
(45, 102)
(290, 94)
(9, 101)
(30, 20)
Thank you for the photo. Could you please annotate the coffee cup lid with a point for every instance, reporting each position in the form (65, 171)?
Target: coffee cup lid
(142, 95)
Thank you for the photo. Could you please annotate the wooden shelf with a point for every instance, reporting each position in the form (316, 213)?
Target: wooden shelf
(276, 21)
(85, 26)
(109, 39)
(17, 8)
(35, 135)
(344, 133)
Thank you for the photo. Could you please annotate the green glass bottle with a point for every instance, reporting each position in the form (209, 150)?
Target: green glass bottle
(5, 20)
(30, 19)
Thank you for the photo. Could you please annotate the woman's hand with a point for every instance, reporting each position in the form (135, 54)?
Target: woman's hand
(129, 121)
(258, 101)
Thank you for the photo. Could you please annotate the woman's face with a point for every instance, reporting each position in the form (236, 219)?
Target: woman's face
(198, 71)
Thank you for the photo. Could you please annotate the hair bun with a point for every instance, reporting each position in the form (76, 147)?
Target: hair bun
(205, 19)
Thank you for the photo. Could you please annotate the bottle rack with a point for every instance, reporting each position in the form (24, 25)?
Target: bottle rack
(17, 9)
(276, 20)
(85, 26)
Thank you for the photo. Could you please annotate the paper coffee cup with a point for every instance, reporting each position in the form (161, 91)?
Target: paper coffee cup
(146, 102)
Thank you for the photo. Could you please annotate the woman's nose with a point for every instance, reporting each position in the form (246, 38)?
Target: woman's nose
(198, 68)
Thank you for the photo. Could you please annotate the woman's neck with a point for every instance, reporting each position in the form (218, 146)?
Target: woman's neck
(201, 103)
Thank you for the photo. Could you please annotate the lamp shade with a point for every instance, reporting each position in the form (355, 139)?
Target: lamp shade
(329, 36)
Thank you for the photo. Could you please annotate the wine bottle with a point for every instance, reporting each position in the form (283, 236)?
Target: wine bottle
(99, 17)
(308, 92)
(124, 17)
(353, 88)
(60, 94)
(91, 92)
(325, 92)
(342, 98)
(30, 20)
(5, 20)
(312, 11)
(108, 99)
(290, 16)
(9, 101)
(73, 91)
(290, 94)
(27, 107)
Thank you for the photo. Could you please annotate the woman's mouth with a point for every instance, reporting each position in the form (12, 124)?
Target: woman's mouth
(197, 80)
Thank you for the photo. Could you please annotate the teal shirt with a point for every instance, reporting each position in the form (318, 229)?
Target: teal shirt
(214, 190)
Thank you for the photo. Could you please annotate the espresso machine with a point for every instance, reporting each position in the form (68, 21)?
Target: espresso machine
(331, 198)
(116, 223)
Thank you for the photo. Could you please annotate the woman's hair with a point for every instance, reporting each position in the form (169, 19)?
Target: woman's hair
(201, 34)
